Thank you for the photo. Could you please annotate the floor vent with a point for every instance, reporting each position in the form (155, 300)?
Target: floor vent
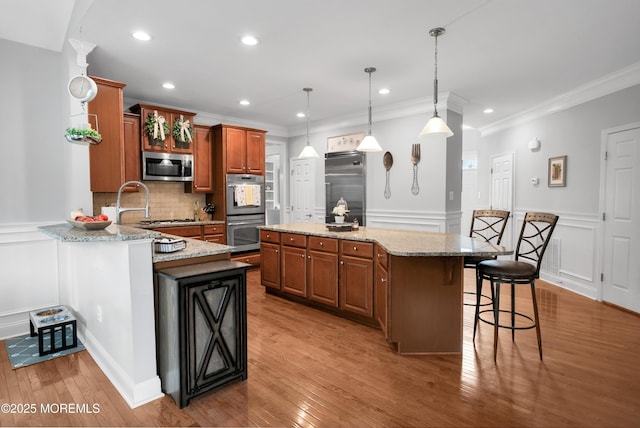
(551, 260)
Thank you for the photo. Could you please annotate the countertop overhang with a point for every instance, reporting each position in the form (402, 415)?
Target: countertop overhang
(400, 242)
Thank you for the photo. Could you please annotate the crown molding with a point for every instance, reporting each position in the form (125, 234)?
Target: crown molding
(621, 79)
(415, 106)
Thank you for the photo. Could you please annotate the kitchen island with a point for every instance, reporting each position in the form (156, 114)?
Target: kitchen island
(409, 283)
(107, 278)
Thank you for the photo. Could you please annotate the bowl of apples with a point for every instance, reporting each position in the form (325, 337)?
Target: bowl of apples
(90, 222)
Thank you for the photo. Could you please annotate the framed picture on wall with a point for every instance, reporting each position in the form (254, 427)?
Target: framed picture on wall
(343, 143)
(558, 171)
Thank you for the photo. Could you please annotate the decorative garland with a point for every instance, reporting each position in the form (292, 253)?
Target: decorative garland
(156, 126)
(182, 130)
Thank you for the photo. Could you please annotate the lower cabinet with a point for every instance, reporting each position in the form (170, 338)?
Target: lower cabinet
(381, 290)
(322, 270)
(270, 265)
(294, 270)
(202, 328)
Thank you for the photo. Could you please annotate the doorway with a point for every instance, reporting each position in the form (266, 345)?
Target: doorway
(620, 197)
(303, 172)
(502, 191)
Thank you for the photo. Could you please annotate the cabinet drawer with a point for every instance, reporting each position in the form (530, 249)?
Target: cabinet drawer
(213, 229)
(323, 244)
(294, 240)
(270, 236)
(252, 259)
(357, 248)
(186, 231)
(216, 239)
(381, 256)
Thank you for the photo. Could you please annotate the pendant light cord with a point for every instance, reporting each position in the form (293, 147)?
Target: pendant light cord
(435, 79)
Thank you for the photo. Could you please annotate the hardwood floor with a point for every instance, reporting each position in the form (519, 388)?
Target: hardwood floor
(309, 368)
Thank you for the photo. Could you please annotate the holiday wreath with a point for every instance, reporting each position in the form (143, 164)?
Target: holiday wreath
(156, 126)
(182, 130)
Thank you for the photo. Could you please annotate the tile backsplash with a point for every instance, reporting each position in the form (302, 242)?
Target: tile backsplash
(167, 200)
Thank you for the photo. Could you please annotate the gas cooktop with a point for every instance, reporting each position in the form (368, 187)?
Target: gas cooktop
(169, 221)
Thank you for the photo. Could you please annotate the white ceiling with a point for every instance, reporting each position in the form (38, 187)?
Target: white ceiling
(506, 54)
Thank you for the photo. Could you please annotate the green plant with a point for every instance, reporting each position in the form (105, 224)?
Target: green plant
(89, 133)
(150, 124)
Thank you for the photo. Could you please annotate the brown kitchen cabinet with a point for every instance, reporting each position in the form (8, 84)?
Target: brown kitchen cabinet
(194, 232)
(214, 233)
(270, 259)
(293, 278)
(116, 159)
(322, 270)
(253, 258)
(241, 150)
(381, 289)
(202, 160)
(169, 144)
(356, 277)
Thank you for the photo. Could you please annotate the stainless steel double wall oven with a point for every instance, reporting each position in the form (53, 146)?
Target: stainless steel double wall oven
(245, 211)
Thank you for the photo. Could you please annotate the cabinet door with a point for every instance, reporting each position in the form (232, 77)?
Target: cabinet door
(214, 332)
(149, 143)
(294, 270)
(255, 152)
(323, 277)
(356, 284)
(381, 290)
(236, 143)
(131, 155)
(181, 146)
(270, 265)
(202, 159)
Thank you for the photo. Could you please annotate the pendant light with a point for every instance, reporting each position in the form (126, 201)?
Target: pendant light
(369, 143)
(435, 125)
(308, 151)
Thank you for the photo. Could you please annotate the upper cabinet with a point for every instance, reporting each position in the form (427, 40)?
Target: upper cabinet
(165, 130)
(117, 158)
(203, 161)
(242, 149)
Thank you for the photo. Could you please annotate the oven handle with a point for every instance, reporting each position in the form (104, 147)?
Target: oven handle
(242, 223)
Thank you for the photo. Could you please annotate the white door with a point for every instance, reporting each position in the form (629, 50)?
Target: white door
(502, 192)
(621, 280)
(302, 189)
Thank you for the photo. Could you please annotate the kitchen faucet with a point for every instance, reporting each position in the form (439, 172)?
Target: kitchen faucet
(120, 210)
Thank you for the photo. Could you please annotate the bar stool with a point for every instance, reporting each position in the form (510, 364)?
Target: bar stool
(532, 243)
(488, 225)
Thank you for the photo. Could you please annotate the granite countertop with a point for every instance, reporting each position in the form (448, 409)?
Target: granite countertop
(402, 242)
(195, 248)
(113, 232)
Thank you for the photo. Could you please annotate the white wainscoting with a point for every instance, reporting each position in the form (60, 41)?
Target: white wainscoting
(414, 220)
(573, 258)
(29, 276)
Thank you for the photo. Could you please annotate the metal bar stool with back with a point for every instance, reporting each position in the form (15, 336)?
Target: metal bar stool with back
(487, 225)
(532, 243)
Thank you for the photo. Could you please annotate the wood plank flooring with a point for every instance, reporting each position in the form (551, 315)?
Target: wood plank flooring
(309, 368)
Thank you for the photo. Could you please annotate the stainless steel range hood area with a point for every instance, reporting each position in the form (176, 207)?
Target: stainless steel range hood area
(345, 177)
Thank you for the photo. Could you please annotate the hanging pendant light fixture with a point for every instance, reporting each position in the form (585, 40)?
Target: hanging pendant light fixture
(435, 125)
(308, 151)
(369, 143)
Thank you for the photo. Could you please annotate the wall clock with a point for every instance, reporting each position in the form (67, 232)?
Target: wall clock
(83, 88)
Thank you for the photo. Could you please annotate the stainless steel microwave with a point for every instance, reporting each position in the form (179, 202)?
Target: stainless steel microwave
(167, 166)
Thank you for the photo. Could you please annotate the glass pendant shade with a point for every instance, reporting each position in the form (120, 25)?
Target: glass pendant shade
(436, 126)
(369, 144)
(308, 151)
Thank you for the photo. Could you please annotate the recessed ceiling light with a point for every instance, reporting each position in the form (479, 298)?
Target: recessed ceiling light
(301, 114)
(168, 85)
(487, 110)
(249, 40)
(244, 102)
(384, 91)
(141, 35)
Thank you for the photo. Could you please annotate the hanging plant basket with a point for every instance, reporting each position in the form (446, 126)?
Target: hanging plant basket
(87, 136)
(156, 127)
(182, 130)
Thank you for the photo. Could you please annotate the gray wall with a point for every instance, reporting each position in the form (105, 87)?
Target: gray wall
(32, 119)
(575, 132)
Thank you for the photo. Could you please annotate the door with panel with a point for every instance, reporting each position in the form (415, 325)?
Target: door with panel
(621, 279)
(502, 191)
(302, 189)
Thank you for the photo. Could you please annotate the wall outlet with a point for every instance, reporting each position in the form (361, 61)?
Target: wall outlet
(99, 313)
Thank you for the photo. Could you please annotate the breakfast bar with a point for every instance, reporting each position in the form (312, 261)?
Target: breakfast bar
(409, 283)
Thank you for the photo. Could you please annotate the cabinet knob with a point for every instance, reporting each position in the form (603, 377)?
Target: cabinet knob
(291, 239)
(277, 251)
(268, 236)
(382, 280)
(355, 248)
(302, 255)
(341, 262)
(321, 244)
(309, 257)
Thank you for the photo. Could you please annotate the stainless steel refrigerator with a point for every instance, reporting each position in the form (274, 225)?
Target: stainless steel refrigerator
(345, 177)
